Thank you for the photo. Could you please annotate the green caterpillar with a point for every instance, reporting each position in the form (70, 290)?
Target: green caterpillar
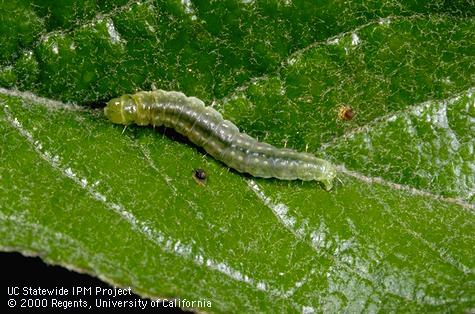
(220, 138)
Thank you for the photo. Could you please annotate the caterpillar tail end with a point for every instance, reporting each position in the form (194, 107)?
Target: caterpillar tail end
(327, 179)
(327, 184)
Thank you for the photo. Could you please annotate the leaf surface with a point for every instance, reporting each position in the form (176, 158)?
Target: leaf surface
(396, 232)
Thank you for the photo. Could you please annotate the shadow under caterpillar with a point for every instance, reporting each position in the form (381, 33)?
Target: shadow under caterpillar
(220, 138)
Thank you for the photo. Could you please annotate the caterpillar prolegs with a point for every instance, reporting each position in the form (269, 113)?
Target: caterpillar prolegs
(220, 138)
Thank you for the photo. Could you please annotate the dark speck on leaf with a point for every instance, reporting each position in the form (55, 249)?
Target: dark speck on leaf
(346, 113)
(200, 176)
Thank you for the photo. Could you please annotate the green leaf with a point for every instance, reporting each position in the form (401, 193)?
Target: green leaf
(395, 234)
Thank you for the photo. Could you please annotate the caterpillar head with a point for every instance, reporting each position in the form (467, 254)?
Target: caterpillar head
(121, 110)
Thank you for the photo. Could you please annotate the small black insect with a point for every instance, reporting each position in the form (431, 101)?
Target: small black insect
(200, 176)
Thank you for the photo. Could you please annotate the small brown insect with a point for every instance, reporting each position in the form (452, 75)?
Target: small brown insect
(200, 176)
(346, 113)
